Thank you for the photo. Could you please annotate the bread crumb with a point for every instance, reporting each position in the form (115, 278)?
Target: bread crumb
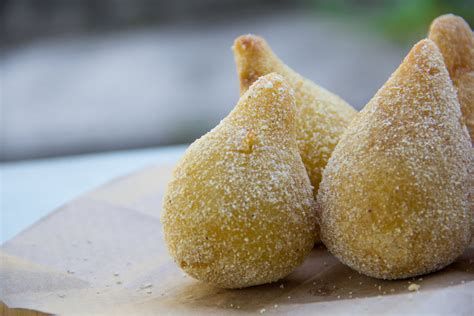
(268, 85)
(413, 287)
(263, 310)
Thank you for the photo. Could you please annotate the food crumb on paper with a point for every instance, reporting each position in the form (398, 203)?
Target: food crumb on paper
(263, 310)
(413, 287)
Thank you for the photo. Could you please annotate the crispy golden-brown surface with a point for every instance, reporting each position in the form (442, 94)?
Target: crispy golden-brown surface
(321, 115)
(395, 193)
(455, 40)
(239, 210)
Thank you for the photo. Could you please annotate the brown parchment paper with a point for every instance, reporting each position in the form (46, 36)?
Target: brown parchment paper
(103, 253)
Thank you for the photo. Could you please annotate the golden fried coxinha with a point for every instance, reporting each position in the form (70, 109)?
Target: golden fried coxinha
(321, 115)
(454, 38)
(394, 199)
(239, 210)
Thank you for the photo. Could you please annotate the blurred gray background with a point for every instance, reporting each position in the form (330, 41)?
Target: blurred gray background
(91, 76)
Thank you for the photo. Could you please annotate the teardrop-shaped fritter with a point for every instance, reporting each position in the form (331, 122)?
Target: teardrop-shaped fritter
(239, 210)
(394, 199)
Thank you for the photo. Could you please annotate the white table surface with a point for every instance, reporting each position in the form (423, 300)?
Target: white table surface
(31, 189)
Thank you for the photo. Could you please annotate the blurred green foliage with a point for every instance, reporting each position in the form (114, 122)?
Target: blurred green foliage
(402, 20)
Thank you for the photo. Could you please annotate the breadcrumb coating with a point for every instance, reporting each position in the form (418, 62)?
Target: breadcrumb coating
(455, 40)
(321, 116)
(394, 199)
(239, 210)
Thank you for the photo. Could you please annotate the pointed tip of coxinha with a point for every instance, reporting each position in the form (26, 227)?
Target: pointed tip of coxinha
(424, 47)
(249, 44)
(424, 77)
(425, 58)
(253, 58)
(269, 103)
(419, 88)
(454, 38)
